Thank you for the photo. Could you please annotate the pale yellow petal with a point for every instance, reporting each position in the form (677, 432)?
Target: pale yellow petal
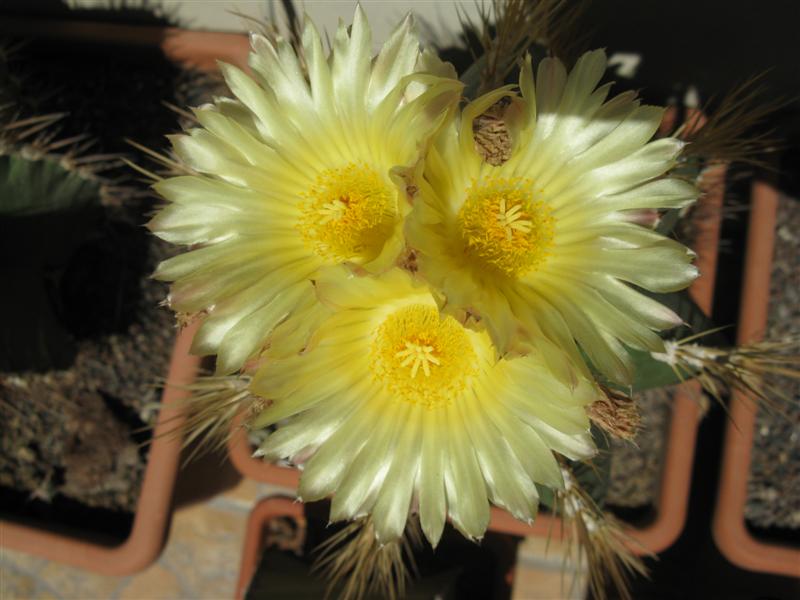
(371, 465)
(312, 429)
(533, 454)
(467, 496)
(432, 500)
(397, 57)
(508, 483)
(323, 472)
(351, 62)
(252, 332)
(391, 509)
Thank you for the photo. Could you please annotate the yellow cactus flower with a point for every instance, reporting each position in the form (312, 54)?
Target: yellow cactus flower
(396, 407)
(545, 247)
(306, 168)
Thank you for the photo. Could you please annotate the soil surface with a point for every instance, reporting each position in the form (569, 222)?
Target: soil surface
(773, 498)
(636, 466)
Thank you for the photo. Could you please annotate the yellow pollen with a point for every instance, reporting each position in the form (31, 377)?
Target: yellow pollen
(349, 213)
(504, 227)
(422, 357)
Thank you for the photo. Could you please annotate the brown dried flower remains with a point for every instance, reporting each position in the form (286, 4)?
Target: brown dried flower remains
(492, 136)
(616, 414)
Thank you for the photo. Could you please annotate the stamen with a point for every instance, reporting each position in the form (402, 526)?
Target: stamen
(418, 355)
(504, 227)
(335, 209)
(423, 357)
(512, 220)
(349, 214)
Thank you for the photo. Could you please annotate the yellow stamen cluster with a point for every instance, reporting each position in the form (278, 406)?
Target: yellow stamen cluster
(504, 227)
(423, 357)
(349, 213)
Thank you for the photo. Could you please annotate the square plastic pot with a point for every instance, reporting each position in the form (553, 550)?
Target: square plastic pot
(153, 509)
(84, 549)
(733, 538)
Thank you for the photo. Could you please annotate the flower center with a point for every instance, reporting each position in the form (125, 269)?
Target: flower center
(504, 227)
(422, 357)
(349, 213)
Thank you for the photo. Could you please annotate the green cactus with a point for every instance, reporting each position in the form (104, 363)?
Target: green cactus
(46, 210)
(33, 186)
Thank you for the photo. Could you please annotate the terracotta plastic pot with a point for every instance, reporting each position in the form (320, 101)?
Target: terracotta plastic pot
(145, 541)
(735, 542)
(153, 510)
(672, 502)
